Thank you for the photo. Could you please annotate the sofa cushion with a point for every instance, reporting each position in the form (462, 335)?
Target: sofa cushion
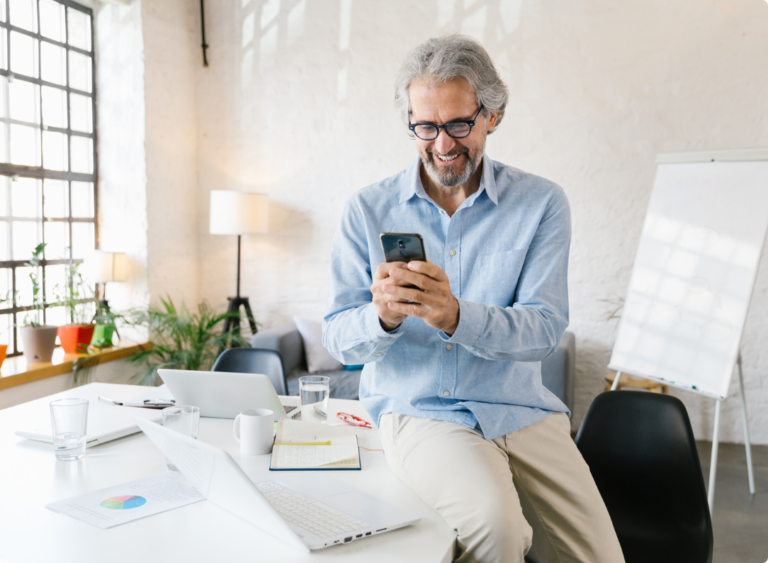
(318, 358)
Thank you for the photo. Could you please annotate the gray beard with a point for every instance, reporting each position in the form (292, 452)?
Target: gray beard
(449, 178)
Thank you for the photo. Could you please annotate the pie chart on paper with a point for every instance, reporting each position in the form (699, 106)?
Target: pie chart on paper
(124, 502)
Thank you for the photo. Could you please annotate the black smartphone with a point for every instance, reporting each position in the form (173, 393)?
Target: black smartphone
(402, 247)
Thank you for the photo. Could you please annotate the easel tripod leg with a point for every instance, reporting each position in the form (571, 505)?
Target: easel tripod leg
(713, 461)
(747, 446)
(616, 381)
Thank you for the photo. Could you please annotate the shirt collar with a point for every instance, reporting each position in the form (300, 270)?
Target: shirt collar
(412, 185)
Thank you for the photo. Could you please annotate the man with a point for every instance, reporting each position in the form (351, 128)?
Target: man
(453, 368)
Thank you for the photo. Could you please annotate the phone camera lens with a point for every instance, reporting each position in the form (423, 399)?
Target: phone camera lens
(403, 252)
(401, 244)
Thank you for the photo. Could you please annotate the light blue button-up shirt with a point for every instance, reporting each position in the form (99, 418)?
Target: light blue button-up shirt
(505, 252)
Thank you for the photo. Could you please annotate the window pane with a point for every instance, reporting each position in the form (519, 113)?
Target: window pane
(82, 111)
(79, 29)
(5, 248)
(79, 71)
(52, 20)
(82, 200)
(57, 237)
(25, 198)
(2, 10)
(55, 199)
(6, 330)
(82, 240)
(23, 54)
(54, 150)
(53, 63)
(56, 316)
(25, 238)
(24, 101)
(5, 195)
(25, 145)
(23, 14)
(55, 281)
(82, 154)
(3, 48)
(24, 286)
(54, 107)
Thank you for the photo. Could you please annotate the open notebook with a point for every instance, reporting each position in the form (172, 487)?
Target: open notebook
(307, 446)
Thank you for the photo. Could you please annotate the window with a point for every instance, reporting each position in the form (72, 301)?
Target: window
(47, 151)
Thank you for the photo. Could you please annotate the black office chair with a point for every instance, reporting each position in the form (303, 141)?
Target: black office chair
(254, 360)
(640, 449)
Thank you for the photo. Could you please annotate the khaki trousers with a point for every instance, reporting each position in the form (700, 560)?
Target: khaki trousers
(503, 495)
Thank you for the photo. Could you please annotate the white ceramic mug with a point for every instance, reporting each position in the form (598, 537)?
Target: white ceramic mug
(254, 429)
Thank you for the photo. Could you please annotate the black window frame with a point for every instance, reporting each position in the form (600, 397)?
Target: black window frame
(40, 172)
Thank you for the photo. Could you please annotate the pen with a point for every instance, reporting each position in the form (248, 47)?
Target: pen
(110, 401)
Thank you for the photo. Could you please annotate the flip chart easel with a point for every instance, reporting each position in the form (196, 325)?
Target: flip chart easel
(693, 278)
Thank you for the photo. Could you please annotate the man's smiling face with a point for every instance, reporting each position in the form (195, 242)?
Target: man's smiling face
(449, 162)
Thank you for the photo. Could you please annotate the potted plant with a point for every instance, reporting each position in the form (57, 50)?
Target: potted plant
(105, 325)
(38, 339)
(181, 339)
(75, 337)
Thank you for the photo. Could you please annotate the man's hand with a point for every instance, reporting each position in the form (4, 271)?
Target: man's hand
(436, 305)
(388, 318)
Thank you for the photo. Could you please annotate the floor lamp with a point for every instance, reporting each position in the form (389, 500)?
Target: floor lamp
(238, 213)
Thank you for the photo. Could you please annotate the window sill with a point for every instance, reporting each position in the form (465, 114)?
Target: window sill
(16, 371)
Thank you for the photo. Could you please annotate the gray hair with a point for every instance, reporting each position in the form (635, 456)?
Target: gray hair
(442, 59)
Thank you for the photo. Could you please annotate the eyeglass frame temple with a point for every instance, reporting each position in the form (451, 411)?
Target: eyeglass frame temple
(412, 126)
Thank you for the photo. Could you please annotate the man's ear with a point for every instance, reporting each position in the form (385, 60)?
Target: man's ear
(491, 121)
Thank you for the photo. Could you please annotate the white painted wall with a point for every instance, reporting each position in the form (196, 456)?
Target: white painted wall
(297, 103)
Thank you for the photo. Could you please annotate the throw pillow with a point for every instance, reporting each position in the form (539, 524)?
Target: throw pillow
(318, 358)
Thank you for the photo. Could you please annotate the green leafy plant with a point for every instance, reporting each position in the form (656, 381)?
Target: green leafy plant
(76, 296)
(37, 296)
(181, 339)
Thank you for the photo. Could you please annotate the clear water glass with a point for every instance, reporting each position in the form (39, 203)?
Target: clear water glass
(184, 419)
(69, 425)
(314, 391)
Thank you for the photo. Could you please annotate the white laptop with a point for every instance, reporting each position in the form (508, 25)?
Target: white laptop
(306, 511)
(105, 423)
(221, 394)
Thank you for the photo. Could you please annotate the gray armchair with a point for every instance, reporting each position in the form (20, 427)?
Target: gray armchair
(557, 370)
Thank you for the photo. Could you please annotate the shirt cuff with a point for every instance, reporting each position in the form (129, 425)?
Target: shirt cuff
(471, 323)
(375, 331)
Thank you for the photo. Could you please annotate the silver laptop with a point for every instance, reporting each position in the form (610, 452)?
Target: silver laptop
(105, 423)
(221, 394)
(306, 511)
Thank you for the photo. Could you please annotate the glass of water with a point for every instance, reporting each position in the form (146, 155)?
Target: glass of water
(183, 419)
(69, 424)
(314, 391)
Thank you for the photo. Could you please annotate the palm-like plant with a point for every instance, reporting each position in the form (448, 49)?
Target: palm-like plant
(181, 339)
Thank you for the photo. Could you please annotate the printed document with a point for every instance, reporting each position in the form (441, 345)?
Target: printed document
(117, 505)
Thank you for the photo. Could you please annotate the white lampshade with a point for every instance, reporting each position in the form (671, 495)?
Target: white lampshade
(238, 213)
(103, 267)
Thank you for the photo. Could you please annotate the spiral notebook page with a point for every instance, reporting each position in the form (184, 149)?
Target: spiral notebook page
(303, 445)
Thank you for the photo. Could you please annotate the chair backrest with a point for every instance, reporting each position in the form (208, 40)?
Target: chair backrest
(640, 449)
(250, 360)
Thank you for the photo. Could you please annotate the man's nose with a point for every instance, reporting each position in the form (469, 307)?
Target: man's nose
(444, 142)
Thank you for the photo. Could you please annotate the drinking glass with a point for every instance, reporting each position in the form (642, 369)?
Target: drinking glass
(314, 391)
(183, 419)
(69, 423)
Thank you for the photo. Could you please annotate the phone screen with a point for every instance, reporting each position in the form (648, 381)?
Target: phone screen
(402, 247)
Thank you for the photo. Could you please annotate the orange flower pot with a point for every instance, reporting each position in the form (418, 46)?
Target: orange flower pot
(3, 352)
(75, 338)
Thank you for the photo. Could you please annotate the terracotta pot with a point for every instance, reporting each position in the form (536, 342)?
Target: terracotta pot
(75, 338)
(3, 352)
(38, 342)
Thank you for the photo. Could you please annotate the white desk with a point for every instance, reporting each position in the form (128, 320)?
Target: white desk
(31, 477)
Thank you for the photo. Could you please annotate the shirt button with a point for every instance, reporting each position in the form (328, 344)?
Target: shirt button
(452, 253)
(446, 393)
(379, 354)
(448, 347)
(442, 212)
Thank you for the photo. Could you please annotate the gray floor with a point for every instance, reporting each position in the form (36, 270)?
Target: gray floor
(740, 520)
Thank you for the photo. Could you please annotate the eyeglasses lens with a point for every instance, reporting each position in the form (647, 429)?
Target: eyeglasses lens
(430, 132)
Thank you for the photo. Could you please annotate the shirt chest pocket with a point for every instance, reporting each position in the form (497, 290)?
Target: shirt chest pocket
(493, 277)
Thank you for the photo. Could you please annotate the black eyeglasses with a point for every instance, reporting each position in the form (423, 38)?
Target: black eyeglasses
(455, 129)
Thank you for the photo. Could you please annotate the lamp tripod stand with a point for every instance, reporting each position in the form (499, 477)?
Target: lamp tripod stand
(232, 322)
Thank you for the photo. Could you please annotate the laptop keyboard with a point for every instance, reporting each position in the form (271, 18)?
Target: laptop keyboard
(307, 513)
